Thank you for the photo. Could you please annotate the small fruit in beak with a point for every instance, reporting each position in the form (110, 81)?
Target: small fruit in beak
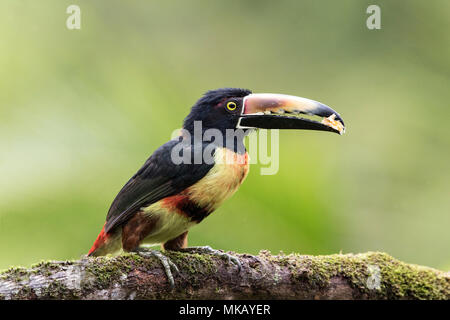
(333, 123)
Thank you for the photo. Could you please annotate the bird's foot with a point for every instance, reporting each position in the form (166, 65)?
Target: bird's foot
(165, 261)
(207, 249)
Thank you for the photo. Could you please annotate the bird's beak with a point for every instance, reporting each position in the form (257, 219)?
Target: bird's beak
(279, 111)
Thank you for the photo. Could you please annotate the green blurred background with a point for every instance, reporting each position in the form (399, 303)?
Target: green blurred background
(81, 110)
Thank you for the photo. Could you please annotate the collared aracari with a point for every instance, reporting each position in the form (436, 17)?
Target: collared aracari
(163, 200)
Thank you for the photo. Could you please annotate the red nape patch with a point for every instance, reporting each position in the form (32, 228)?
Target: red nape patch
(101, 239)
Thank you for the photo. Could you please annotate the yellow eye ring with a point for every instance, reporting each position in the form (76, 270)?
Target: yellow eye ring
(231, 106)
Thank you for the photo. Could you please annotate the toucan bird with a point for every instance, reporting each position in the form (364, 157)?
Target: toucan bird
(166, 197)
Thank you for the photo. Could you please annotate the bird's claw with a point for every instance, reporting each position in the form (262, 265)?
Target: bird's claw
(165, 261)
(207, 249)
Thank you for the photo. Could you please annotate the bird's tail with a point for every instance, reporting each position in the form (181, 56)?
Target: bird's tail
(106, 243)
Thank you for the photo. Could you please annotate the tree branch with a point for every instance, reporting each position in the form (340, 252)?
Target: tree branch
(202, 276)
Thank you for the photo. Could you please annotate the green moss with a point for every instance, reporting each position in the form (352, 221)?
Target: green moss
(193, 262)
(23, 292)
(106, 270)
(57, 290)
(15, 274)
(406, 280)
(47, 268)
(396, 279)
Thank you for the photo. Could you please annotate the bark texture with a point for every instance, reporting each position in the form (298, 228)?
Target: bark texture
(369, 275)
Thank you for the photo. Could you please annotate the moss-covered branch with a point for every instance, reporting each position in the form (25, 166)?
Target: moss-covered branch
(203, 276)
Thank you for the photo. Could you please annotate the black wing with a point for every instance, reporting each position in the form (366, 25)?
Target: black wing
(158, 178)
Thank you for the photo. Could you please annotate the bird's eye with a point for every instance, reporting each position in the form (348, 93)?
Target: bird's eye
(231, 106)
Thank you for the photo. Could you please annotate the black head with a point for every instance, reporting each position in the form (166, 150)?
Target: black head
(231, 108)
(219, 109)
